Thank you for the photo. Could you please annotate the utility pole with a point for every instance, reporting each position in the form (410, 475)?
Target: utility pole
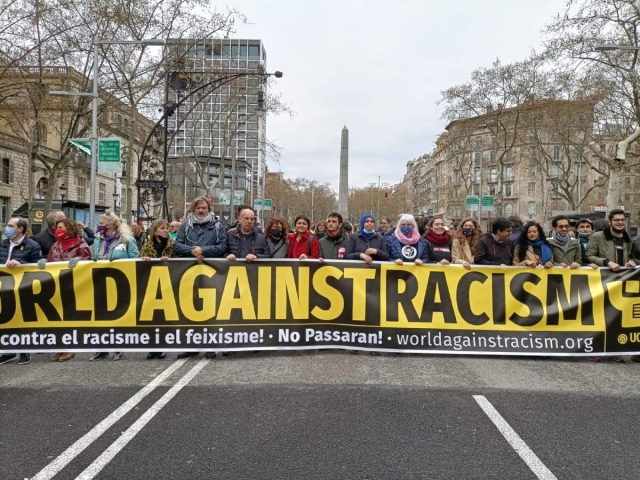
(233, 178)
(378, 212)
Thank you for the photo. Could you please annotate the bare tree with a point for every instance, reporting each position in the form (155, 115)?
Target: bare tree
(571, 38)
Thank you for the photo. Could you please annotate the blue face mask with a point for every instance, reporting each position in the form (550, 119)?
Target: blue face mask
(406, 231)
(369, 231)
(10, 232)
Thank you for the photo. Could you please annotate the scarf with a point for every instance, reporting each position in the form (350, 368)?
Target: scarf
(192, 219)
(320, 235)
(415, 235)
(437, 239)
(340, 234)
(363, 232)
(547, 254)
(160, 244)
(109, 240)
(563, 240)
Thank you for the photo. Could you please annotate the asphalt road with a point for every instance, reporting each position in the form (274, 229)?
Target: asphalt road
(320, 415)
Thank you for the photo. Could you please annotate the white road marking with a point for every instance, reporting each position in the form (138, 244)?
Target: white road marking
(96, 467)
(510, 435)
(74, 450)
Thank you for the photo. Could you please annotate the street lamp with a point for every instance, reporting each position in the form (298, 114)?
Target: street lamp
(63, 191)
(94, 117)
(609, 47)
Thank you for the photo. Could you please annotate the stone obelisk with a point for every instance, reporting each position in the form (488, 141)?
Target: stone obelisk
(343, 192)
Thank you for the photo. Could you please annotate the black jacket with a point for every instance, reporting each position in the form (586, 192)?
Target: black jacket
(242, 245)
(357, 244)
(491, 252)
(210, 236)
(46, 240)
(27, 251)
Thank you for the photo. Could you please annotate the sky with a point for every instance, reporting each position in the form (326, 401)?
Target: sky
(378, 67)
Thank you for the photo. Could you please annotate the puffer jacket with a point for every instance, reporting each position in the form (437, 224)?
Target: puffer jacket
(601, 248)
(572, 254)
(117, 250)
(357, 244)
(258, 243)
(27, 251)
(210, 236)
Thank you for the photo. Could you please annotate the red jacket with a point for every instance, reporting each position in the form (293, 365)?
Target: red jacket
(300, 246)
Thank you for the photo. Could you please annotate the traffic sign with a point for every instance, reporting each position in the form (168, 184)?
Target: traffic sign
(108, 152)
(487, 203)
(266, 203)
(257, 204)
(472, 203)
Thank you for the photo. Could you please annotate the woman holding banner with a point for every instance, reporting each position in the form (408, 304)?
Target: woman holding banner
(114, 241)
(69, 246)
(276, 233)
(438, 242)
(302, 244)
(406, 244)
(532, 248)
(158, 246)
(463, 247)
(367, 244)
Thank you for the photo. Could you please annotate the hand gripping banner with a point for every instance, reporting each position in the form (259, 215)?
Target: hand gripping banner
(180, 305)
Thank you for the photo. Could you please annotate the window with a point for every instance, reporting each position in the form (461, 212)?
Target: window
(456, 178)
(531, 209)
(81, 182)
(477, 159)
(508, 190)
(508, 209)
(531, 189)
(493, 175)
(6, 171)
(5, 211)
(102, 189)
(556, 154)
(508, 174)
(477, 176)
(532, 172)
(492, 189)
(494, 158)
(555, 192)
(254, 52)
(554, 172)
(509, 158)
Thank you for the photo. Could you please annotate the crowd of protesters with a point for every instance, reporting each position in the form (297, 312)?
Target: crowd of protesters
(603, 243)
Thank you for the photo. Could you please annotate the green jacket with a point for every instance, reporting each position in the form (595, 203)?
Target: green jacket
(601, 248)
(572, 254)
(330, 249)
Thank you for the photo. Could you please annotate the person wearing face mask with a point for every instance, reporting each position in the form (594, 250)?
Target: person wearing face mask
(114, 241)
(566, 249)
(70, 246)
(277, 238)
(18, 249)
(367, 244)
(46, 237)
(438, 242)
(406, 244)
(463, 247)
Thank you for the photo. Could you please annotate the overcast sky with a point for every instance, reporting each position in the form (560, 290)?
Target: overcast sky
(379, 68)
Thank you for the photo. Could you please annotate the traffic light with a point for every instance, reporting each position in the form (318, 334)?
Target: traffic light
(386, 193)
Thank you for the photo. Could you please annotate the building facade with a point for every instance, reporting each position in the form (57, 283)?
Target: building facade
(34, 142)
(224, 123)
(535, 161)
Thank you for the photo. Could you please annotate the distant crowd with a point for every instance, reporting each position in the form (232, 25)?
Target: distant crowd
(423, 241)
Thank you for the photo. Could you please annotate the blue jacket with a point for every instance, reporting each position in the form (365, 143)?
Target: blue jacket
(210, 236)
(394, 247)
(27, 251)
(117, 249)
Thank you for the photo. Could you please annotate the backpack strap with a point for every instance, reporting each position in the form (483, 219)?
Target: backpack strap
(310, 243)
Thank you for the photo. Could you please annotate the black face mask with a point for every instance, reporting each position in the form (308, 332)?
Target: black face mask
(275, 232)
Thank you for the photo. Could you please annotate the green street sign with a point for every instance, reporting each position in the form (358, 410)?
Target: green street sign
(267, 204)
(472, 202)
(108, 152)
(257, 204)
(487, 203)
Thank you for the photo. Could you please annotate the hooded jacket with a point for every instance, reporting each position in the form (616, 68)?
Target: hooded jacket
(601, 248)
(489, 251)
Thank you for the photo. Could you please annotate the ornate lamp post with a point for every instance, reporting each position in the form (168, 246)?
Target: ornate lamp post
(63, 191)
